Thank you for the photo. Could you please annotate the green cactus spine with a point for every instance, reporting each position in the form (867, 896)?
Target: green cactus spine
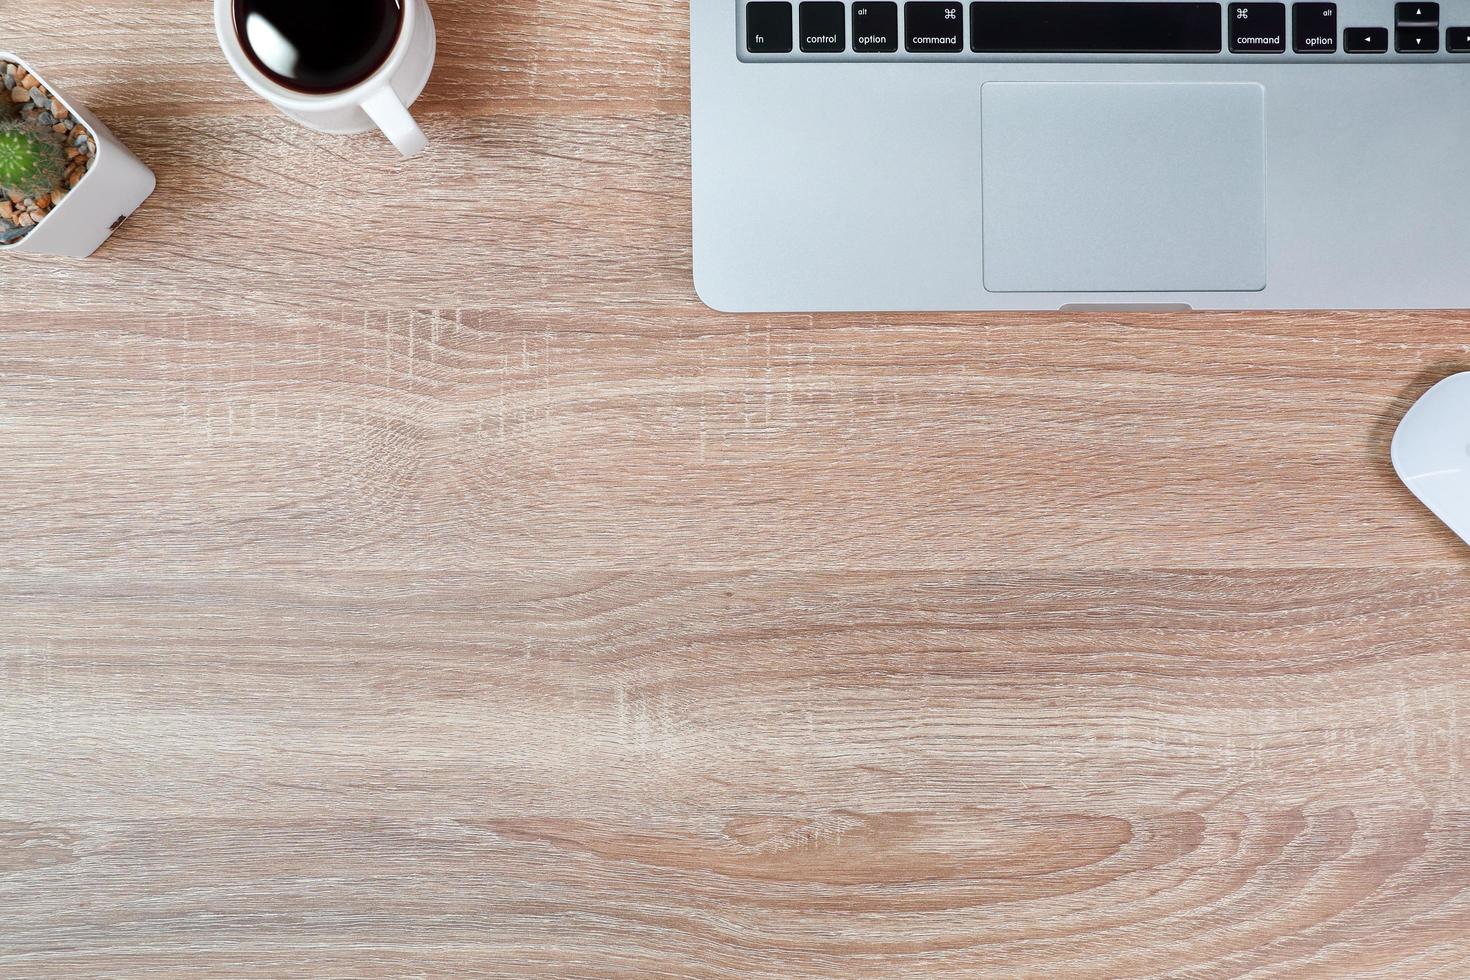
(32, 160)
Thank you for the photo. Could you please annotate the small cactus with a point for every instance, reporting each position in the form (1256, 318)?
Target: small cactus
(32, 160)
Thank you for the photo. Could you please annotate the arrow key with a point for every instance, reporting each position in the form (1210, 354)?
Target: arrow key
(1457, 39)
(1416, 40)
(1365, 40)
(1416, 14)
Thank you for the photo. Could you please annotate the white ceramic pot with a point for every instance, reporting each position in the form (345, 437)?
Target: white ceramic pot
(112, 189)
(380, 101)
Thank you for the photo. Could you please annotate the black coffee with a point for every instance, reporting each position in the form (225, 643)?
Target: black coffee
(318, 45)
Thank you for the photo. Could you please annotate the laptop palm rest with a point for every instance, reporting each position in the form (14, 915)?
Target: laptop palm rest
(1123, 187)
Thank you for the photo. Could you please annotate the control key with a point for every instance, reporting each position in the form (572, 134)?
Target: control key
(821, 25)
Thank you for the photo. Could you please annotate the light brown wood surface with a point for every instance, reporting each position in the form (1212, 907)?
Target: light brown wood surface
(402, 573)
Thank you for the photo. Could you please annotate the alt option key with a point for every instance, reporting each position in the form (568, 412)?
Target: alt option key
(1257, 28)
(1314, 28)
(875, 26)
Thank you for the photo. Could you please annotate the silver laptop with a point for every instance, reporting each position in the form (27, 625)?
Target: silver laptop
(1080, 154)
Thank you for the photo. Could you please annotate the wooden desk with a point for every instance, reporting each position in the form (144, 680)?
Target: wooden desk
(402, 572)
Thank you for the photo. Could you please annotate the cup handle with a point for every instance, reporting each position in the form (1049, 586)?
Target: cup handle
(385, 109)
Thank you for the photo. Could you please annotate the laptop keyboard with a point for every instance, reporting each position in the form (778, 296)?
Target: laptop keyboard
(1009, 30)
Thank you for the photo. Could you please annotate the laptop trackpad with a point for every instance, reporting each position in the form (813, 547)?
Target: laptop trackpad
(1123, 187)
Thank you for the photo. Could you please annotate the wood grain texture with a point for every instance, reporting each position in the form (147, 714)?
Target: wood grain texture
(401, 573)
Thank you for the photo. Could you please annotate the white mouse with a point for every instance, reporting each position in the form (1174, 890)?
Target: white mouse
(1431, 452)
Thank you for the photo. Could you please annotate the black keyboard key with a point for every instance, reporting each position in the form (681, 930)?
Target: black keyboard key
(1416, 14)
(875, 26)
(1365, 40)
(1258, 27)
(930, 26)
(1416, 40)
(1314, 28)
(768, 26)
(1457, 40)
(821, 26)
(1070, 27)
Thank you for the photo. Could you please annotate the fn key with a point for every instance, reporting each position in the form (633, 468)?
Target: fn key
(768, 27)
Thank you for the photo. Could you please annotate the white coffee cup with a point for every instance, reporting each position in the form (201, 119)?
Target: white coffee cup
(380, 101)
